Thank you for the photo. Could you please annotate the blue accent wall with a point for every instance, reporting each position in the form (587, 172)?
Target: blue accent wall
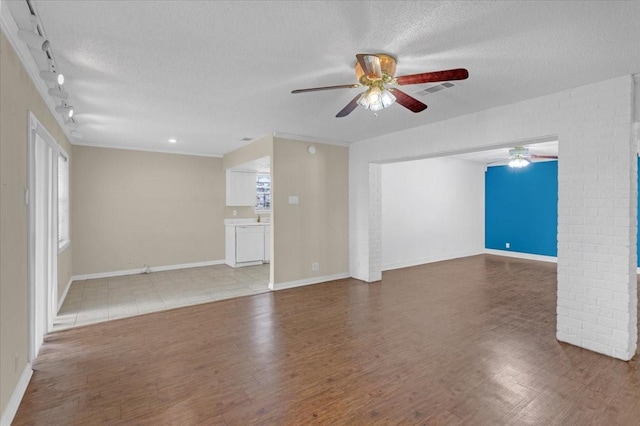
(521, 208)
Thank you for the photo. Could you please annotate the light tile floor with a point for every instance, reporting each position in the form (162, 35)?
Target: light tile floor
(103, 299)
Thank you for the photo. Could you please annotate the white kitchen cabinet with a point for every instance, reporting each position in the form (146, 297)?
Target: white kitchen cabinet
(241, 188)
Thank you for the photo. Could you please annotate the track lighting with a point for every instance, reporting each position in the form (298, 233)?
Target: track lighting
(65, 110)
(58, 93)
(72, 124)
(51, 76)
(34, 40)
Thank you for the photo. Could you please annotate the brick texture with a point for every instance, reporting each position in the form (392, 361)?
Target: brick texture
(375, 222)
(597, 211)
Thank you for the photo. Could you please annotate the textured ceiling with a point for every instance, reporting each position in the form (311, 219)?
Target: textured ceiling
(210, 73)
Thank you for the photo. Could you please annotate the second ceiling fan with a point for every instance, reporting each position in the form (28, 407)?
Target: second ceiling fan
(376, 71)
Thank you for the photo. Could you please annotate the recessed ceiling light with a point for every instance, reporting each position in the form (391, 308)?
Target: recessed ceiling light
(173, 140)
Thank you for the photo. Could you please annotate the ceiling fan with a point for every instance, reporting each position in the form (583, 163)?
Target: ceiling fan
(520, 156)
(376, 71)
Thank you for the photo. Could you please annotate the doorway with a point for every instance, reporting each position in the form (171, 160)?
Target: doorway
(44, 155)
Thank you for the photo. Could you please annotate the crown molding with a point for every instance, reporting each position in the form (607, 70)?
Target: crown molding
(10, 29)
(309, 139)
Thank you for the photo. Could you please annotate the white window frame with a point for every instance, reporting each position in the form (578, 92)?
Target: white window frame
(66, 240)
(255, 209)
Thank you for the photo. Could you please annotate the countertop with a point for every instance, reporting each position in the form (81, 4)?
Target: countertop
(245, 222)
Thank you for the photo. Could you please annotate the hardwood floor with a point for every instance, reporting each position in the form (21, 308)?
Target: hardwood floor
(469, 341)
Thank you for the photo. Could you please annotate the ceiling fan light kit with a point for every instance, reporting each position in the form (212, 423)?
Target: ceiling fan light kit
(519, 163)
(377, 70)
(375, 99)
(519, 157)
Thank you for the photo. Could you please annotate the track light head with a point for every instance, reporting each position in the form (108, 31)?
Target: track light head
(72, 124)
(65, 110)
(53, 77)
(34, 40)
(58, 93)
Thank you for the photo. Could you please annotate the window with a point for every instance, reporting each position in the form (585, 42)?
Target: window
(63, 201)
(263, 193)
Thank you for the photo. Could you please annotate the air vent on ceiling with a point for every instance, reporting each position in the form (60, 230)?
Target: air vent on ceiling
(436, 88)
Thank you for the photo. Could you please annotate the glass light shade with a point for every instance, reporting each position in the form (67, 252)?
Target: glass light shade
(519, 163)
(375, 99)
(387, 98)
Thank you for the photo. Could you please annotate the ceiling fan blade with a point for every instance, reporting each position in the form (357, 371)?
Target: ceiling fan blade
(407, 101)
(350, 107)
(317, 89)
(432, 77)
(552, 157)
(370, 64)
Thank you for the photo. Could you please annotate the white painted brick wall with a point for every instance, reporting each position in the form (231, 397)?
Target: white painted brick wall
(375, 222)
(597, 291)
(597, 199)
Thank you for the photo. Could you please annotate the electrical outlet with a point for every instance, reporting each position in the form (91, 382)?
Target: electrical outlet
(235, 212)
(315, 266)
(507, 245)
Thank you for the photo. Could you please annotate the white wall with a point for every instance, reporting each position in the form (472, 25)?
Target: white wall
(432, 210)
(19, 97)
(597, 199)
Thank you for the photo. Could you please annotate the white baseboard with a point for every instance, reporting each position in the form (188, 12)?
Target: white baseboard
(64, 294)
(529, 256)
(16, 397)
(308, 281)
(520, 255)
(416, 262)
(141, 270)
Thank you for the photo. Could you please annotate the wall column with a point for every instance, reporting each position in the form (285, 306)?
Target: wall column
(597, 220)
(375, 222)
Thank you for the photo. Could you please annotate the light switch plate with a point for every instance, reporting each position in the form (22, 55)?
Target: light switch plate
(293, 199)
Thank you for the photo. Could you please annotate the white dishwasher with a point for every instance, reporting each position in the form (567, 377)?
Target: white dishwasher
(249, 243)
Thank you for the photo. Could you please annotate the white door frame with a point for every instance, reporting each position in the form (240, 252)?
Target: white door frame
(51, 290)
